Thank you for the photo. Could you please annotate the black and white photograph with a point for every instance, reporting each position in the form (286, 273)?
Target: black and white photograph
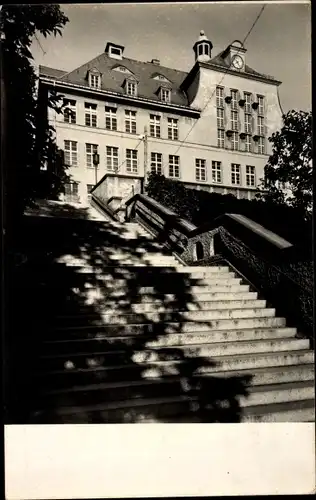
(157, 230)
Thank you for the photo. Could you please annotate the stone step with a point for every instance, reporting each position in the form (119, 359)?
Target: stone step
(166, 327)
(93, 370)
(279, 393)
(155, 270)
(295, 411)
(100, 342)
(125, 355)
(123, 318)
(105, 391)
(155, 409)
(92, 293)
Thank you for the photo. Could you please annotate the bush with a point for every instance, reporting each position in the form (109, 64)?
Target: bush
(200, 207)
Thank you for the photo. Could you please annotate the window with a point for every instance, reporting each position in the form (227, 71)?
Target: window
(260, 125)
(200, 169)
(234, 120)
(70, 112)
(71, 191)
(110, 118)
(131, 161)
(234, 95)
(154, 125)
(261, 145)
(131, 88)
(115, 52)
(260, 105)
(234, 141)
(90, 114)
(216, 171)
(220, 138)
(130, 121)
(219, 97)
(248, 144)
(173, 129)
(111, 158)
(165, 95)
(156, 163)
(248, 123)
(235, 173)
(174, 166)
(250, 175)
(71, 153)
(89, 188)
(247, 102)
(91, 149)
(220, 118)
(95, 81)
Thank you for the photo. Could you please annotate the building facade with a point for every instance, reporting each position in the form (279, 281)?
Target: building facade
(123, 118)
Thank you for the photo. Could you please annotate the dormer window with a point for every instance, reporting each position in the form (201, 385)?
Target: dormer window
(130, 87)
(160, 77)
(94, 79)
(165, 94)
(122, 69)
(113, 50)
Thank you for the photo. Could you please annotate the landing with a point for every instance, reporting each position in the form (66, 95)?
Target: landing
(60, 209)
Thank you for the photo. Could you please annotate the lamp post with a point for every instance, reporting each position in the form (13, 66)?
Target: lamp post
(96, 161)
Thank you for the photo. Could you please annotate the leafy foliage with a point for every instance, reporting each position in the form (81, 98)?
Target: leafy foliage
(291, 163)
(25, 154)
(201, 207)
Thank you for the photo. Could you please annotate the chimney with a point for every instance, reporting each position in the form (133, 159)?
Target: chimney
(155, 61)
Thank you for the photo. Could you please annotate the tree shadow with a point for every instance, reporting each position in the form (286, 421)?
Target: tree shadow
(83, 343)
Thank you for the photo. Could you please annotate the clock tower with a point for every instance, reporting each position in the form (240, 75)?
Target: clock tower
(234, 55)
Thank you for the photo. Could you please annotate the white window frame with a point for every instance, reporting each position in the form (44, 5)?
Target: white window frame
(248, 123)
(74, 193)
(200, 169)
(156, 162)
(132, 161)
(234, 141)
(260, 125)
(261, 145)
(219, 97)
(154, 125)
(221, 138)
(110, 118)
(250, 176)
(94, 80)
(90, 115)
(130, 121)
(91, 149)
(217, 172)
(220, 118)
(111, 158)
(247, 97)
(236, 174)
(234, 99)
(131, 88)
(234, 120)
(173, 131)
(260, 99)
(165, 94)
(248, 143)
(71, 153)
(70, 114)
(174, 166)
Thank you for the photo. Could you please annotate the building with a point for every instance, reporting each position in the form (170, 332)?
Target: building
(207, 128)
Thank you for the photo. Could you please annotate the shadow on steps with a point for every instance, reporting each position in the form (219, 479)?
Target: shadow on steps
(85, 371)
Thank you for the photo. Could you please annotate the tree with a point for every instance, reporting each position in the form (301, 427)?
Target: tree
(23, 161)
(291, 163)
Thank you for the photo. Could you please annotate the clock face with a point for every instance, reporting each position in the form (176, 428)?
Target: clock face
(237, 62)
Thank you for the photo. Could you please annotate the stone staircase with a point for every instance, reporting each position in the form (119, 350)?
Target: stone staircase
(126, 333)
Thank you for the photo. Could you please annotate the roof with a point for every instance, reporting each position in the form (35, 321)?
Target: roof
(51, 72)
(220, 61)
(114, 80)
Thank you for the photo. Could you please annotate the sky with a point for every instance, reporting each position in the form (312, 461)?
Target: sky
(279, 44)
